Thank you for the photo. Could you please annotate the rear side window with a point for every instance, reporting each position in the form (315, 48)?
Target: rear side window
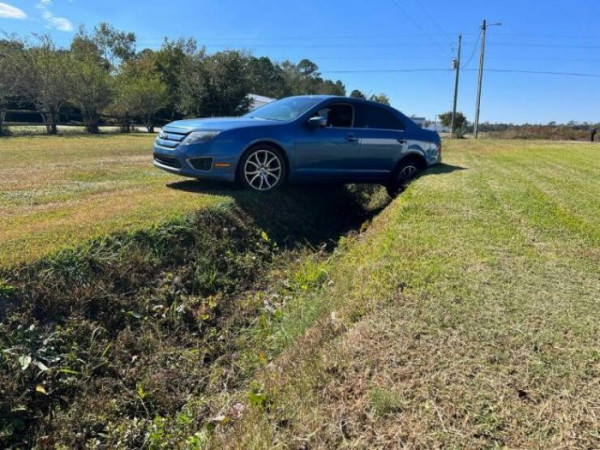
(380, 118)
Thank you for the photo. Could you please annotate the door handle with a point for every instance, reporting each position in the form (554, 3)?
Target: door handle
(351, 138)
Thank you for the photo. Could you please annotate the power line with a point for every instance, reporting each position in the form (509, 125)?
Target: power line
(431, 18)
(385, 70)
(541, 72)
(553, 36)
(389, 44)
(533, 72)
(527, 58)
(527, 44)
(223, 42)
(416, 24)
(395, 58)
(473, 52)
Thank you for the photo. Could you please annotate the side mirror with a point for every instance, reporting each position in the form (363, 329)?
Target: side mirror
(317, 122)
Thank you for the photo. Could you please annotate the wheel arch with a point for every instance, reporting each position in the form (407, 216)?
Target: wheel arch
(416, 158)
(258, 143)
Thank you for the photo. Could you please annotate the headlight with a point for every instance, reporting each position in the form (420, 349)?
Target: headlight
(199, 137)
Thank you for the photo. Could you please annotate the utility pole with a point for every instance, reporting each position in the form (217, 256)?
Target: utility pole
(481, 56)
(457, 67)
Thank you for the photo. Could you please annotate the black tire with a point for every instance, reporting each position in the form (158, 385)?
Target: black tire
(262, 169)
(405, 173)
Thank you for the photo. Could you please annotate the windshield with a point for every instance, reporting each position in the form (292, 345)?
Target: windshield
(285, 109)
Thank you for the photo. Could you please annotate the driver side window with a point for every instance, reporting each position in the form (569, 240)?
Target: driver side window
(338, 115)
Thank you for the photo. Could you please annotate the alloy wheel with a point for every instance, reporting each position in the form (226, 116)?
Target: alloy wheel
(262, 170)
(407, 174)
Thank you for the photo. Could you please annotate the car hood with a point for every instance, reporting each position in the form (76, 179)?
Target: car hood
(217, 123)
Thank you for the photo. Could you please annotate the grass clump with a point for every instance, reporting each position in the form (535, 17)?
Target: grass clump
(142, 338)
(386, 402)
(106, 330)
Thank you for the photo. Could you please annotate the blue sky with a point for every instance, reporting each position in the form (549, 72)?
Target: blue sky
(401, 47)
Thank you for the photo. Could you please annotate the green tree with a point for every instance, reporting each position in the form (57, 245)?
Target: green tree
(308, 69)
(138, 92)
(381, 98)
(40, 77)
(293, 80)
(116, 46)
(8, 79)
(305, 78)
(329, 87)
(215, 85)
(123, 101)
(169, 63)
(138, 96)
(90, 90)
(460, 120)
(357, 94)
(265, 78)
(151, 96)
(90, 80)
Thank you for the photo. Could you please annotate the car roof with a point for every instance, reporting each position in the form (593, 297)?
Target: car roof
(343, 98)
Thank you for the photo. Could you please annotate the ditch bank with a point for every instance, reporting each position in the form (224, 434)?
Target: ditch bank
(111, 343)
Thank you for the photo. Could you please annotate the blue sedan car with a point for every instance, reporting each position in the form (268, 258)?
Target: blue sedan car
(301, 139)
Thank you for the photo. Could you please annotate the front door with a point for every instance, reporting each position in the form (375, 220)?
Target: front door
(331, 152)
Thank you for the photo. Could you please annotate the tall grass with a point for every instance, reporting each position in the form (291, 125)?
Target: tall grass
(123, 340)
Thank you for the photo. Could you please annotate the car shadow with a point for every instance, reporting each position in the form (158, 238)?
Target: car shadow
(294, 215)
(314, 214)
(442, 169)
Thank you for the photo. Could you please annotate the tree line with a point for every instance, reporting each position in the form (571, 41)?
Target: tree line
(102, 74)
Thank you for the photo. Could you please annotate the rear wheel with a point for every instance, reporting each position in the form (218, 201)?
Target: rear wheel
(262, 169)
(403, 176)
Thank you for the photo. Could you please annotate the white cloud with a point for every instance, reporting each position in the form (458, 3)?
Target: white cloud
(10, 12)
(59, 23)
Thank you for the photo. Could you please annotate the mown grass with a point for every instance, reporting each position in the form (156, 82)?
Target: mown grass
(22, 129)
(62, 190)
(468, 315)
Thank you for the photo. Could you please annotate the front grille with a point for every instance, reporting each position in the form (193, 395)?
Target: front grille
(201, 163)
(167, 161)
(170, 139)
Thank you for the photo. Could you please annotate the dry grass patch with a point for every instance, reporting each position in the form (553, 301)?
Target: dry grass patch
(62, 190)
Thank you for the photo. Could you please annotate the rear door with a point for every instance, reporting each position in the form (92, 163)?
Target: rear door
(382, 138)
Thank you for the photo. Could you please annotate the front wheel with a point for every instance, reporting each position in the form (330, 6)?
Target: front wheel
(403, 176)
(262, 169)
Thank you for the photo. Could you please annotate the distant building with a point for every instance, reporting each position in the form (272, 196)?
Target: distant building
(418, 120)
(256, 101)
(437, 126)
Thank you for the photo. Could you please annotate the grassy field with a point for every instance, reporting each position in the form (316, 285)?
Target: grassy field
(59, 191)
(468, 315)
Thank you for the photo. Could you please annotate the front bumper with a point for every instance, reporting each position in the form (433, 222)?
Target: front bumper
(179, 162)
